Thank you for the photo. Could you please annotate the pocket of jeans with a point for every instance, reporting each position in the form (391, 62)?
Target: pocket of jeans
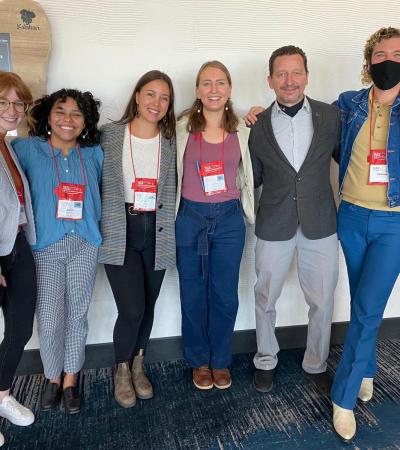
(186, 230)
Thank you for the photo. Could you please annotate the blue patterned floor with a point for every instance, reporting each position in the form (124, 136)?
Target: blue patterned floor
(292, 416)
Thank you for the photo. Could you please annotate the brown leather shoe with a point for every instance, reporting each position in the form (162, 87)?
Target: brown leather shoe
(202, 378)
(222, 378)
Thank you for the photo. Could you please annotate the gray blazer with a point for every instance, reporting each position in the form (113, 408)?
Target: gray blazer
(113, 220)
(291, 198)
(9, 207)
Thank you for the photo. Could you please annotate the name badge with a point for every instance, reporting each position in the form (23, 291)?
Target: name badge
(213, 177)
(145, 194)
(70, 201)
(378, 172)
(22, 219)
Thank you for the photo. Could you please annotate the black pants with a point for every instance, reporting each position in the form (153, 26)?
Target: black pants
(18, 301)
(135, 286)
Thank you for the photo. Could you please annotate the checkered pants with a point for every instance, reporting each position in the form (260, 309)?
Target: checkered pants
(66, 272)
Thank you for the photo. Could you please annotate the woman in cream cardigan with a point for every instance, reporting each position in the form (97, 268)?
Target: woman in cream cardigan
(215, 191)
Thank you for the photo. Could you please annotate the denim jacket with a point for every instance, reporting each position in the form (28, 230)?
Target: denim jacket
(354, 112)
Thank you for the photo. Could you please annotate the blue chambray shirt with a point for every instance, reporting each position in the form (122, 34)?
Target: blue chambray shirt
(36, 159)
(293, 134)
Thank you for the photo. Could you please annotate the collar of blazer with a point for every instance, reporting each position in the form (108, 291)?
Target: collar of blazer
(317, 120)
(114, 136)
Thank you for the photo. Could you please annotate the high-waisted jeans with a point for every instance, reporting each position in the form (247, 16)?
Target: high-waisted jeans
(210, 240)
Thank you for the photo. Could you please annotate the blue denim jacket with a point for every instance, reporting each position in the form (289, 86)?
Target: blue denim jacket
(354, 112)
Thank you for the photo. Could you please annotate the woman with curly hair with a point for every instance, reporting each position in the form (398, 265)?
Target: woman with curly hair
(138, 222)
(63, 162)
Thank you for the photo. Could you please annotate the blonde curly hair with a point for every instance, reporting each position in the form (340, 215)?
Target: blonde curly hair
(378, 36)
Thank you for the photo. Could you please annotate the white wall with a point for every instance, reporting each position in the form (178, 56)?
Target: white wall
(104, 46)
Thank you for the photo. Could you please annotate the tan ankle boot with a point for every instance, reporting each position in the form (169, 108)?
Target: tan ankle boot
(143, 387)
(344, 422)
(124, 393)
(366, 389)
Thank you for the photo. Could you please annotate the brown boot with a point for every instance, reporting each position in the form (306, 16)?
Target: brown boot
(143, 387)
(124, 393)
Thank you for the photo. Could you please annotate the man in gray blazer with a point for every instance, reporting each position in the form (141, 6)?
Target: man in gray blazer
(291, 146)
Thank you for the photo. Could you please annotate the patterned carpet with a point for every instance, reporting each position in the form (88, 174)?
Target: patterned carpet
(292, 416)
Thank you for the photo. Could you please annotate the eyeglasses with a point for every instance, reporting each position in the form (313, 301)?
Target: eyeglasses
(19, 105)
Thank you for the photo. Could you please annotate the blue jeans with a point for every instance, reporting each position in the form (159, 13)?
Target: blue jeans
(371, 244)
(210, 240)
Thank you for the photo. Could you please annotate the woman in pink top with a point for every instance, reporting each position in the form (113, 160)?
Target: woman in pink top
(215, 190)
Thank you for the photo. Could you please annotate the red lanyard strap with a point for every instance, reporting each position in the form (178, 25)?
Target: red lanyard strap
(158, 152)
(80, 159)
(222, 146)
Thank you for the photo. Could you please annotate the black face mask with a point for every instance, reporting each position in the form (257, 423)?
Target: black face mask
(386, 74)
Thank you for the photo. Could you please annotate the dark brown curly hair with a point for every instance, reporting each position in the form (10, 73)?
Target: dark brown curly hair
(87, 104)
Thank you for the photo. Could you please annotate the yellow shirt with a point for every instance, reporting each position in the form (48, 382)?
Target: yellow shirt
(356, 189)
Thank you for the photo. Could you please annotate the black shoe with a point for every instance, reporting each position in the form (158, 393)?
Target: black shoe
(263, 380)
(322, 381)
(72, 400)
(50, 397)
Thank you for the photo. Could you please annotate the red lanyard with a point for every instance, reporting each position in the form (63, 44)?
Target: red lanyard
(80, 159)
(222, 147)
(158, 156)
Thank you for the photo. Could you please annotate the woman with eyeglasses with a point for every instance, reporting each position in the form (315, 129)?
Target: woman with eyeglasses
(17, 231)
(63, 162)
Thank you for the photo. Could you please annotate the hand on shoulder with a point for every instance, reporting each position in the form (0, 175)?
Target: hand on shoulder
(251, 117)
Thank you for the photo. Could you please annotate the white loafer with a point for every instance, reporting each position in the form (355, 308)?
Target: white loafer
(366, 389)
(344, 423)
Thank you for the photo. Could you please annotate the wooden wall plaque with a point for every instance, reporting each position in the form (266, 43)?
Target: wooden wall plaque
(25, 42)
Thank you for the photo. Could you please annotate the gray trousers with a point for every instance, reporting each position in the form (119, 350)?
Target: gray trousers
(66, 272)
(317, 267)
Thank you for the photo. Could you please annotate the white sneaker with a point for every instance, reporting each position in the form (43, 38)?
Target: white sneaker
(1, 440)
(15, 412)
(366, 389)
(344, 422)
